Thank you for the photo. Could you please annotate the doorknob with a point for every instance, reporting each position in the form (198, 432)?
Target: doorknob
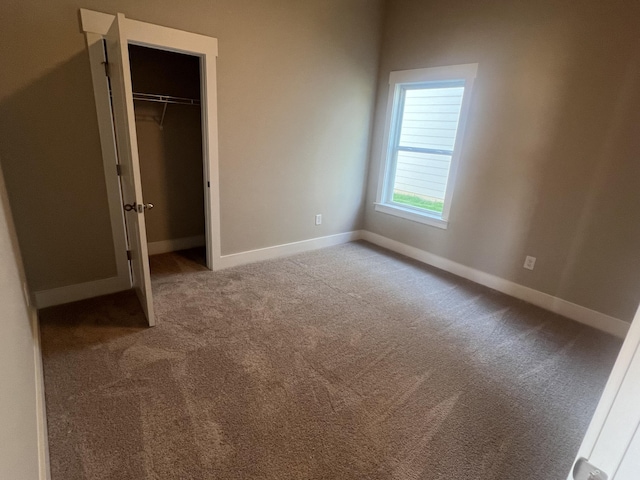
(583, 470)
(138, 208)
(143, 207)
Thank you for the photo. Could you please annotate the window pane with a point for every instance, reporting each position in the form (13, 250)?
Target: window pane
(421, 180)
(428, 125)
(430, 117)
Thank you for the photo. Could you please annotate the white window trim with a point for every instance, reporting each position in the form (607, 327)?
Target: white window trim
(466, 72)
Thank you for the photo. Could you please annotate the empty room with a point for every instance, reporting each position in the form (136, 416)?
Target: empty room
(320, 239)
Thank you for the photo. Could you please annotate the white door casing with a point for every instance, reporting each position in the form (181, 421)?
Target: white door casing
(127, 147)
(612, 441)
(206, 48)
(98, 26)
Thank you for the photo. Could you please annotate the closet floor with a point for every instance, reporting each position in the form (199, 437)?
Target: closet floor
(184, 261)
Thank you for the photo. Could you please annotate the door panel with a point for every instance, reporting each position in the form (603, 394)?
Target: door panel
(125, 130)
(622, 422)
(630, 465)
(612, 441)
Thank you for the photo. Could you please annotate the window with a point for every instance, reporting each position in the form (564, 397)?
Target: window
(425, 121)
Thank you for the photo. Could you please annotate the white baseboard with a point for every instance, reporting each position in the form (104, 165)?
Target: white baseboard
(557, 305)
(601, 321)
(286, 249)
(80, 291)
(44, 469)
(175, 244)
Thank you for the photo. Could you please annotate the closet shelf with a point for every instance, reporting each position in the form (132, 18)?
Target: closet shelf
(166, 99)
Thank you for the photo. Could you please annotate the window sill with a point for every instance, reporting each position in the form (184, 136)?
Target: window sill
(412, 215)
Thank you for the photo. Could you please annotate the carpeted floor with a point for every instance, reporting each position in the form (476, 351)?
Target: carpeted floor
(344, 363)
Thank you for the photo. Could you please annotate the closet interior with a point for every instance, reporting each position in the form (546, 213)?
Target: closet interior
(166, 88)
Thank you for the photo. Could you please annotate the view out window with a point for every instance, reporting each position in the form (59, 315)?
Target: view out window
(425, 118)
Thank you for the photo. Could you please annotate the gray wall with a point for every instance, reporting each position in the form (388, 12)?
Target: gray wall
(171, 167)
(19, 432)
(550, 166)
(170, 155)
(296, 82)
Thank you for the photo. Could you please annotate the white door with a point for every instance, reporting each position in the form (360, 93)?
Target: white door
(127, 143)
(612, 442)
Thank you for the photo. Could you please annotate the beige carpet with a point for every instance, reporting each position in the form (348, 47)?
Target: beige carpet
(344, 363)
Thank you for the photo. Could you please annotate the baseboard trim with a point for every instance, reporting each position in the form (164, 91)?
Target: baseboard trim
(601, 321)
(44, 468)
(175, 244)
(286, 249)
(557, 305)
(80, 291)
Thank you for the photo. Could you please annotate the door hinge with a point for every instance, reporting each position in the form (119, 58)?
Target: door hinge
(583, 470)
(107, 70)
(128, 254)
(118, 169)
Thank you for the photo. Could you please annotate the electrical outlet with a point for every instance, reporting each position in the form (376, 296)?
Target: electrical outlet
(529, 262)
(319, 219)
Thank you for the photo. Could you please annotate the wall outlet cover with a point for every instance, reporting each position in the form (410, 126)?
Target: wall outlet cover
(529, 262)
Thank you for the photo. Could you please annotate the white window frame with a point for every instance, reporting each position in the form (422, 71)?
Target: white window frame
(398, 80)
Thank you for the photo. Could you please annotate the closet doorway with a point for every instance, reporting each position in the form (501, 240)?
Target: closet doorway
(166, 98)
(111, 40)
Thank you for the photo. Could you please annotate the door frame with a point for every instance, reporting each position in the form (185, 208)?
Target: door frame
(95, 25)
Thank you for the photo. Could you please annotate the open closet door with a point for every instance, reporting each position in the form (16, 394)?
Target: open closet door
(127, 143)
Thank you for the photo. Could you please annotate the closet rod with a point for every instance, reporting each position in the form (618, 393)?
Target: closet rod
(150, 97)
